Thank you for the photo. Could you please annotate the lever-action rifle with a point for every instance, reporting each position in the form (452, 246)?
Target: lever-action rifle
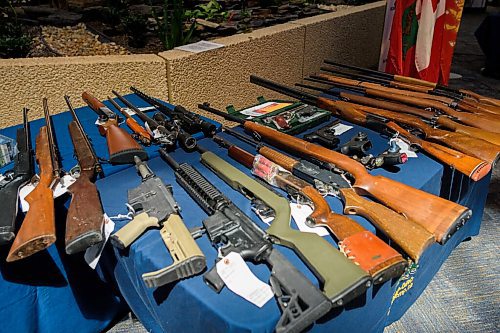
(140, 132)
(155, 206)
(169, 132)
(14, 179)
(121, 146)
(440, 214)
(38, 230)
(361, 246)
(189, 121)
(230, 230)
(411, 237)
(85, 219)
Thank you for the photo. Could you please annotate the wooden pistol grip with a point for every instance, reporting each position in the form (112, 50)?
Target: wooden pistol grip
(341, 226)
(132, 230)
(282, 160)
(38, 230)
(139, 130)
(122, 147)
(85, 219)
(412, 238)
(437, 215)
(414, 81)
(469, 130)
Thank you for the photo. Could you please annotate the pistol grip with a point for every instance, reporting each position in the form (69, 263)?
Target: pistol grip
(213, 280)
(187, 256)
(132, 230)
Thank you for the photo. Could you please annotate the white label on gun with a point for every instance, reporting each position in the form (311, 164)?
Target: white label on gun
(405, 148)
(25, 190)
(341, 128)
(62, 185)
(93, 253)
(235, 273)
(300, 213)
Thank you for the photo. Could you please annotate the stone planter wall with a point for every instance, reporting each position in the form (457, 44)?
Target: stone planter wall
(285, 53)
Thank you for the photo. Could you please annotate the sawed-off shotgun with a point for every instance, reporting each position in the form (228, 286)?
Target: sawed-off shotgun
(437, 214)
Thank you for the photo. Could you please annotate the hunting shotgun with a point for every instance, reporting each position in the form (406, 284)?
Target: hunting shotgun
(440, 215)
(85, 219)
(358, 244)
(140, 133)
(411, 237)
(38, 230)
(433, 118)
(189, 121)
(168, 132)
(155, 206)
(14, 179)
(423, 83)
(121, 146)
(474, 168)
(230, 230)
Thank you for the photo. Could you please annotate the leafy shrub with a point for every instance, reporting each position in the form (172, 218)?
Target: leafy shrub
(14, 43)
(171, 30)
(135, 28)
(210, 11)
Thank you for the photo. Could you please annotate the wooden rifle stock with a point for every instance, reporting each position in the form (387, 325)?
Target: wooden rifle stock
(121, 146)
(411, 237)
(469, 145)
(85, 219)
(472, 167)
(142, 134)
(358, 244)
(437, 214)
(468, 130)
(38, 230)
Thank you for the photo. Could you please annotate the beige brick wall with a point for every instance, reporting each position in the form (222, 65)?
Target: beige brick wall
(26, 81)
(284, 53)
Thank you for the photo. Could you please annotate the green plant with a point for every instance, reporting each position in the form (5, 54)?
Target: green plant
(209, 11)
(135, 27)
(117, 9)
(14, 43)
(171, 29)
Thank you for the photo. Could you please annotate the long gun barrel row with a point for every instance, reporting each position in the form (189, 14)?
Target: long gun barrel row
(140, 133)
(436, 213)
(169, 131)
(156, 207)
(361, 246)
(300, 301)
(38, 230)
(411, 237)
(121, 146)
(16, 178)
(190, 121)
(85, 219)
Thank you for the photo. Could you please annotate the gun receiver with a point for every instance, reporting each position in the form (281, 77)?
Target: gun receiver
(121, 146)
(85, 219)
(300, 301)
(140, 132)
(169, 131)
(38, 230)
(155, 206)
(363, 248)
(190, 121)
(16, 178)
(437, 214)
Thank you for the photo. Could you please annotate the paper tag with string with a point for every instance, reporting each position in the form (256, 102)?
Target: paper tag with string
(62, 185)
(238, 277)
(300, 213)
(405, 147)
(93, 253)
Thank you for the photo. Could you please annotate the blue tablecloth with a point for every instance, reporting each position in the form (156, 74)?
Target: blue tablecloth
(61, 293)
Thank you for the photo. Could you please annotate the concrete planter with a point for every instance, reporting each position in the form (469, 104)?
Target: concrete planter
(285, 52)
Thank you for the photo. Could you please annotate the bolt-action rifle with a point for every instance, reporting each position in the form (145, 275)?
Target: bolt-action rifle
(121, 146)
(189, 121)
(169, 131)
(38, 230)
(361, 246)
(440, 214)
(230, 230)
(140, 132)
(411, 237)
(14, 179)
(155, 206)
(85, 219)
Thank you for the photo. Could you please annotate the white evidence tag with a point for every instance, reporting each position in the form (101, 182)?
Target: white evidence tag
(235, 273)
(266, 219)
(131, 112)
(93, 253)
(62, 185)
(405, 148)
(341, 128)
(25, 190)
(300, 213)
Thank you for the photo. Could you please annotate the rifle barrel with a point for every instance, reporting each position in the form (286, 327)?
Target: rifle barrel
(206, 106)
(150, 121)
